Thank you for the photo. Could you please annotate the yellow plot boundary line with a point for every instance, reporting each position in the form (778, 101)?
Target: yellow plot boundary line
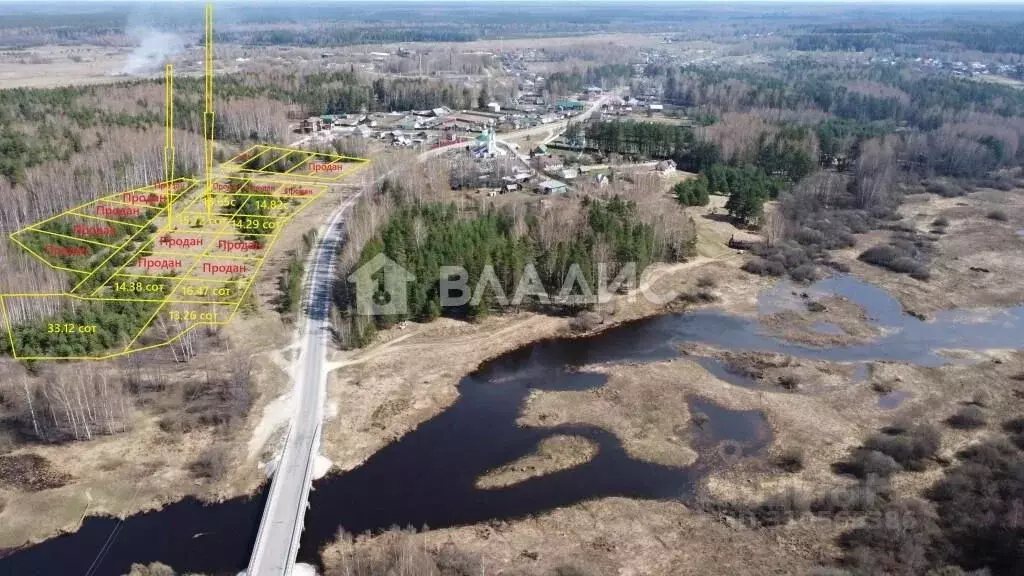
(91, 217)
(339, 156)
(252, 157)
(248, 286)
(169, 194)
(204, 256)
(228, 233)
(303, 163)
(43, 258)
(235, 215)
(171, 294)
(245, 284)
(131, 258)
(123, 246)
(106, 357)
(59, 235)
(276, 159)
(10, 327)
(248, 151)
(272, 195)
(179, 278)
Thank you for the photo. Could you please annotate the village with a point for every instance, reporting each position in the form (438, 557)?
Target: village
(518, 145)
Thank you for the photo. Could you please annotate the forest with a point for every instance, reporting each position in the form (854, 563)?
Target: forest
(561, 246)
(604, 76)
(116, 323)
(421, 238)
(947, 126)
(1000, 38)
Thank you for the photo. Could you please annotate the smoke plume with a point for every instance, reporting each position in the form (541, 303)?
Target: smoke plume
(155, 48)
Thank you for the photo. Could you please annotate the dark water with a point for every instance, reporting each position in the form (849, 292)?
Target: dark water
(427, 477)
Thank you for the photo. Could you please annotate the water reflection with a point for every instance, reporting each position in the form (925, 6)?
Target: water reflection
(428, 476)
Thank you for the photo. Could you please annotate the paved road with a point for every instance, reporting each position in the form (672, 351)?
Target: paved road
(550, 131)
(277, 543)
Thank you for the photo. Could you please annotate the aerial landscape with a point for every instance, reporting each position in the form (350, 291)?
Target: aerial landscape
(459, 288)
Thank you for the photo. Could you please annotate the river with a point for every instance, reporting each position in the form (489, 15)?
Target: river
(427, 477)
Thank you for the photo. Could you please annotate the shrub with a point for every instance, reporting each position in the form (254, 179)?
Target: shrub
(978, 504)
(755, 266)
(451, 561)
(904, 265)
(212, 464)
(763, 267)
(883, 386)
(997, 215)
(922, 274)
(154, 569)
(1014, 426)
(945, 189)
(706, 281)
(901, 255)
(781, 508)
(809, 236)
(940, 222)
(815, 306)
(970, 526)
(901, 227)
(841, 267)
(804, 273)
(897, 540)
(865, 463)
(909, 447)
(697, 297)
(862, 497)
(30, 473)
(789, 381)
(879, 255)
(706, 296)
(775, 268)
(967, 418)
(402, 552)
(981, 398)
(790, 460)
(585, 321)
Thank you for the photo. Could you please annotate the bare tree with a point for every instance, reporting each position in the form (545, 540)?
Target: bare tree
(875, 173)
